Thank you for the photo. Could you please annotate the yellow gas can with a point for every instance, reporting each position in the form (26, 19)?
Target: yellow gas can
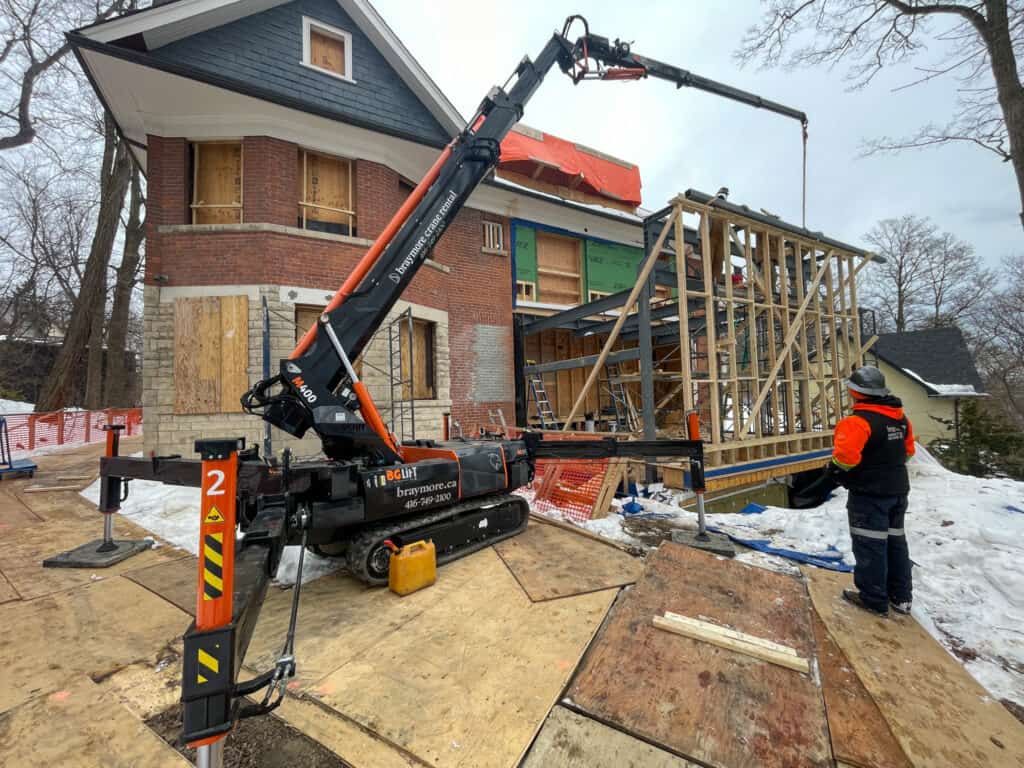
(413, 567)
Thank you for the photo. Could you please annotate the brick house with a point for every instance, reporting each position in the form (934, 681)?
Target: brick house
(277, 139)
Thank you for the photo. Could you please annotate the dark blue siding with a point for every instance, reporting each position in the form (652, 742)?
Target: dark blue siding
(265, 51)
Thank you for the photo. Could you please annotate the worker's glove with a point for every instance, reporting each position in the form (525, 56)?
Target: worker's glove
(835, 474)
(818, 491)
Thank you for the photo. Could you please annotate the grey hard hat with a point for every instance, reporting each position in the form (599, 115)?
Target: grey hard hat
(868, 380)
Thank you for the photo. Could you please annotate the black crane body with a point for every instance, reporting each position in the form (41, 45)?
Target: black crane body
(369, 490)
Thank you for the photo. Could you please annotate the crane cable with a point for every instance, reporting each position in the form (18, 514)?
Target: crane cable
(803, 203)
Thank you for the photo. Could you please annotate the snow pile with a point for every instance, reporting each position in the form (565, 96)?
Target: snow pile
(948, 390)
(966, 537)
(172, 513)
(10, 407)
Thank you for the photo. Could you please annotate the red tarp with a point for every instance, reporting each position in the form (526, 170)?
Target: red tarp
(565, 164)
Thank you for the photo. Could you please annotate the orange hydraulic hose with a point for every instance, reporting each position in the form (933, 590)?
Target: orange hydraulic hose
(368, 260)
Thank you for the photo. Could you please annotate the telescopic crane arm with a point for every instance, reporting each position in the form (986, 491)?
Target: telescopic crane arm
(317, 387)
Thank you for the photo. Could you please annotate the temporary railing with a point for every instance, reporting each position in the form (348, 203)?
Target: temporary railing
(30, 432)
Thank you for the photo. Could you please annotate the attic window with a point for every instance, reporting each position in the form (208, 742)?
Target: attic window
(327, 49)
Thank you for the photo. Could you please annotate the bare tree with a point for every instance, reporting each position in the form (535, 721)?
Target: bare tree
(953, 284)
(895, 289)
(980, 39)
(117, 388)
(114, 179)
(999, 341)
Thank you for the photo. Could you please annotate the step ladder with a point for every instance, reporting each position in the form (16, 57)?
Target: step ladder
(540, 397)
(626, 419)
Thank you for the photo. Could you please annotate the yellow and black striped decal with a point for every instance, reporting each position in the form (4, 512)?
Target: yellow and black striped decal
(213, 565)
(208, 667)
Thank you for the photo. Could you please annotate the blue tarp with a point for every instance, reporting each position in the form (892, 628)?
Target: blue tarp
(828, 561)
(752, 509)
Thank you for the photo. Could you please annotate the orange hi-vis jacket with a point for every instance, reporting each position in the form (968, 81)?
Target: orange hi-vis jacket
(872, 447)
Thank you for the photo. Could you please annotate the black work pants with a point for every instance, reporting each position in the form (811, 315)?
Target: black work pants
(880, 548)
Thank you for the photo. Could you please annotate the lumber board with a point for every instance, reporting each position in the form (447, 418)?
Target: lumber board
(66, 478)
(174, 581)
(470, 682)
(94, 629)
(196, 355)
(722, 640)
(940, 715)
(731, 633)
(550, 563)
(21, 555)
(80, 724)
(570, 740)
(696, 699)
(50, 488)
(234, 352)
(860, 735)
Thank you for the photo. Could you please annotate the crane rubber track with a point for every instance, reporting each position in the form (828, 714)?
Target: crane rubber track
(372, 538)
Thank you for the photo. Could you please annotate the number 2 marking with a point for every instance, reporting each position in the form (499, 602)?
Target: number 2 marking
(218, 481)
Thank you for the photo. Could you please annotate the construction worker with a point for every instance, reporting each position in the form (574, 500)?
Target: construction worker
(869, 458)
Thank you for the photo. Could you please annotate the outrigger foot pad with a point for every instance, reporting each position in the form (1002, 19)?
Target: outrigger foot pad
(98, 554)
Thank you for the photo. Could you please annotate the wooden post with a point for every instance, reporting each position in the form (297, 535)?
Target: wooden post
(784, 313)
(60, 427)
(711, 320)
(684, 313)
(652, 259)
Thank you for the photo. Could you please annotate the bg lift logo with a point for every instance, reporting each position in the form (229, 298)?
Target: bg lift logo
(395, 475)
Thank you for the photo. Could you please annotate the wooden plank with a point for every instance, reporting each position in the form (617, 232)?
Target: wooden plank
(174, 581)
(14, 514)
(731, 633)
(50, 488)
(860, 735)
(711, 634)
(469, 683)
(7, 591)
(327, 52)
(940, 715)
(613, 477)
(196, 355)
(234, 352)
(94, 629)
(693, 698)
(559, 268)
(80, 724)
(570, 740)
(550, 563)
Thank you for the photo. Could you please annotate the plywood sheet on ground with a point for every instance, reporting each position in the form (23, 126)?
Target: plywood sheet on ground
(174, 581)
(340, 618)
(93, 630)
(358, 746)
(14, 514)
(22, 554)
(860, 735)
(711, 704)
(549, 563)
(469, 682)
(7, 592)
(939, 713)
(569, 740)
(79, 724)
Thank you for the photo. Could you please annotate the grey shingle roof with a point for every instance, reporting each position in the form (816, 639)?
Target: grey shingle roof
(936, 355)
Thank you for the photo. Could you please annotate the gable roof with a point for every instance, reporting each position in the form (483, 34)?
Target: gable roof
(162, 25)
(938, 358)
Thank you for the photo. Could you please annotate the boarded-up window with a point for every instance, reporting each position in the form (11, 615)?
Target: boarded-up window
(559, 273)
(420, 353)
(217, 183)
(328, 49)
(211, 354)
(327, 193)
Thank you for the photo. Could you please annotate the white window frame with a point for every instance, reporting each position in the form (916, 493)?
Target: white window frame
(308, 25)
(490, 228)
(532, 290)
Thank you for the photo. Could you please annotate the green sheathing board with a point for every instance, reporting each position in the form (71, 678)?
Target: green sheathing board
(611, 267)
(526, 253)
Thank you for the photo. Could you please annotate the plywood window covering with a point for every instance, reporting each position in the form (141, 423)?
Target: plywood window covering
(559, 269)
(494, 236)
(327, 195)
(211, 354)
(217, 182)
(327, 49)
(421, 355)
(526, 291)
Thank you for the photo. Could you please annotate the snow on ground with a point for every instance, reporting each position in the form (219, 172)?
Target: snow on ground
(966, 537)
(172, 513)
(10, 407)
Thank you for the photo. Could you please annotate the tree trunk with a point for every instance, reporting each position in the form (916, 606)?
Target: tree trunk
(94, 365)
(117, 331)
(116, 171)
(1008, 85)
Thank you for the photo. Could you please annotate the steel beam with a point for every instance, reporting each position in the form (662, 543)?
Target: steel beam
(569, 317)
(620, 356)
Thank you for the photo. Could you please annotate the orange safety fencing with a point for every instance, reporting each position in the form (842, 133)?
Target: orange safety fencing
(30, 432)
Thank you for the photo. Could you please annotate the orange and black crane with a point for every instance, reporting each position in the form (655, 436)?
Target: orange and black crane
(369, 490)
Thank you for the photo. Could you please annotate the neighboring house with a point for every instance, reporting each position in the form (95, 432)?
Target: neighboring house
(931, 371)
(278, 138)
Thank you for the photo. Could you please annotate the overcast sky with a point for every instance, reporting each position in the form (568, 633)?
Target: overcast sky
(687, 138)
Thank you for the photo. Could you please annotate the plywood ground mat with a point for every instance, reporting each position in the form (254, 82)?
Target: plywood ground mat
(940, 715)
(570, 740)
(860, 735)
(549, 563)
(79, 724)
(174, 581)
(707, 703)
(468, 681)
